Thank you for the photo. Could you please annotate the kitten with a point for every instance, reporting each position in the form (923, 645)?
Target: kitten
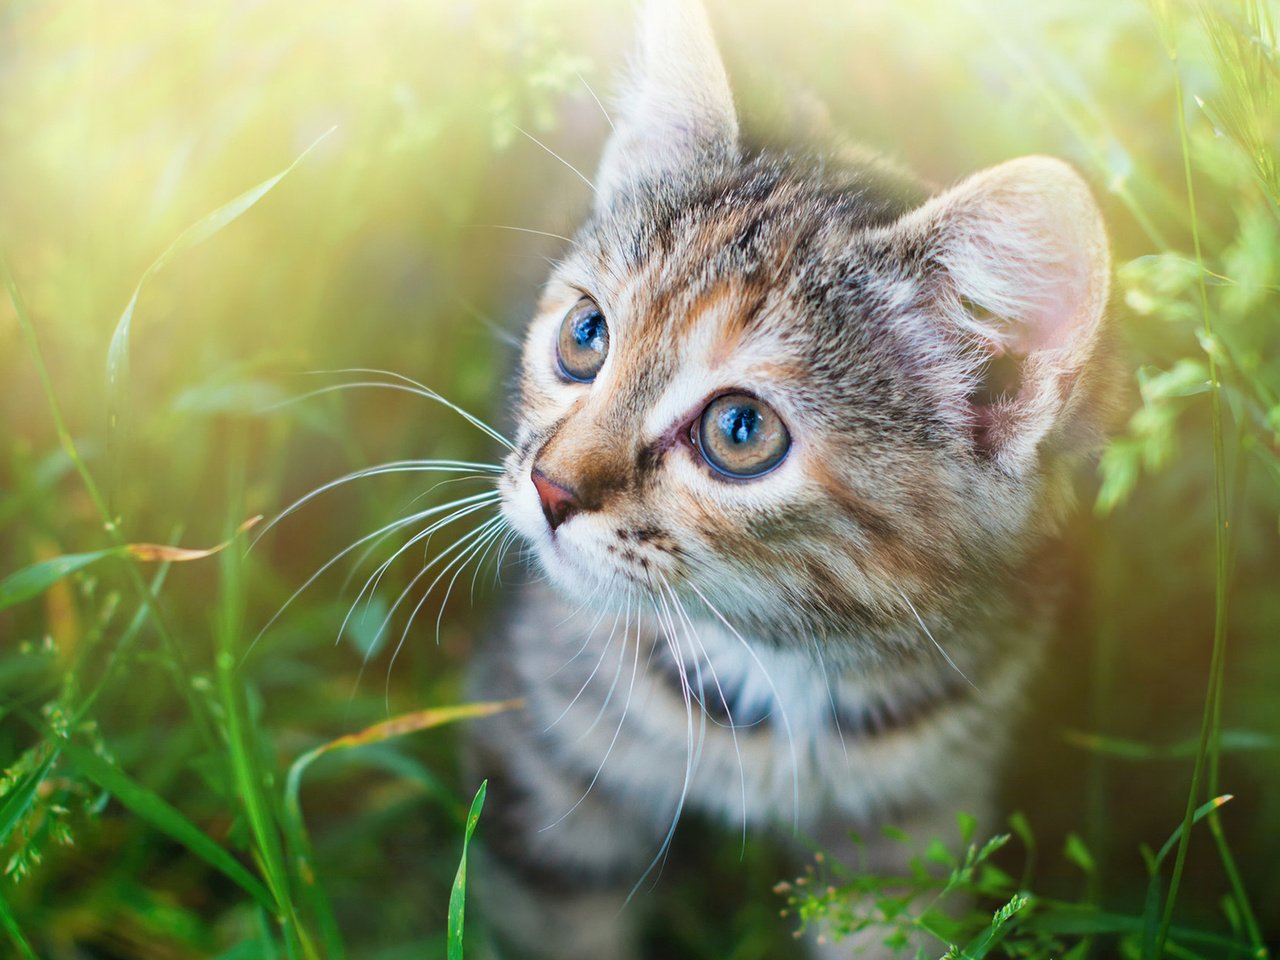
(797, 554)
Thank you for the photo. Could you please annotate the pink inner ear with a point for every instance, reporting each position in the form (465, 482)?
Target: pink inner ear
(1056, 308)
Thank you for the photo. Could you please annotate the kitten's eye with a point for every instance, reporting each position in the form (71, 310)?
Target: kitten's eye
(740, 436)
(584, 341)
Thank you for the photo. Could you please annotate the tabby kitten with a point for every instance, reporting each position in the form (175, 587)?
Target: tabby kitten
(796, 551)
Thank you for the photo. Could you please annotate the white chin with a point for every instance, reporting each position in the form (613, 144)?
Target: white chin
(576, 572)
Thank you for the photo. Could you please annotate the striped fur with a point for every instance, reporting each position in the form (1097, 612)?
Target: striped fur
(841, 642)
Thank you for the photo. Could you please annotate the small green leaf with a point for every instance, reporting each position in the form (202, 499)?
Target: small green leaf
(937, 852)
(896, 940)
(983, 944)
(1075, 851)
(457, 898)
(34, 580)
(1021, 827)
(1119, 469)
(991, 846)
(1002, 916)
(896, 834)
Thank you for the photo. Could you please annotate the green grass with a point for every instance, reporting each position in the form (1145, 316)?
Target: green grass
(154, 737)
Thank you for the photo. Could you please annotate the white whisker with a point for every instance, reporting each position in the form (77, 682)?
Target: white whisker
(499, 532)
(603, 653)
(500, 332)
(585, 643)
(622, 656)
(621, 720)
(539, 233)
(678, 658)
(579, 173)
(477, 552)
(733, 727)
(831, 698)
(503, 547)
(607, 118)
(369, 550)
(946, 656)
(408, 385)
(782, 708)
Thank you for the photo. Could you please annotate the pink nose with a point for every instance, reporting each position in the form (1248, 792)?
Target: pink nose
(558, 502)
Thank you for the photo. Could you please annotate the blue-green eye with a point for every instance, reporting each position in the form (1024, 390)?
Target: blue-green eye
(741, 437)
(584, 341)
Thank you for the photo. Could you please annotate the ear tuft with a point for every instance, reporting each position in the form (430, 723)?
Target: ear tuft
(677, 109)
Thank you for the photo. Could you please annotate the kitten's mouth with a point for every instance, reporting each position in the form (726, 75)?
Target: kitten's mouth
(578, 561)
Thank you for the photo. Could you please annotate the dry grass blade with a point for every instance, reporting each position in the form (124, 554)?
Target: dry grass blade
(159, 552)
(396, 727)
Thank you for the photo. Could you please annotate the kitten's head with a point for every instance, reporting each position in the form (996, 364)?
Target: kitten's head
(764, 381)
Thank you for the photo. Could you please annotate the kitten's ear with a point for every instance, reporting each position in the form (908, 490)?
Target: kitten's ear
(676, 109)
(1022, 272)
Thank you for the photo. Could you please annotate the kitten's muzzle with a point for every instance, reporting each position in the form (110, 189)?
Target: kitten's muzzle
(558, 501)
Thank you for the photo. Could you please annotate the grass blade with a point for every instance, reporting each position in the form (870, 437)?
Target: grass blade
(15, 932)
(1122, 749)
(198, 709)
(1201, 812)
(458, 897)
(165, 818)
(388, 729)
(197, 233)
(30, 582)
(1154, 931)
(395, 727)
(18, 800)
(1209, 747)
(1072, 920)
(246, 762)
(991, 937)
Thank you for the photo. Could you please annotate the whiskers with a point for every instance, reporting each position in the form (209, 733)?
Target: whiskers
(475, 546)
(654, 618)
(394, 381)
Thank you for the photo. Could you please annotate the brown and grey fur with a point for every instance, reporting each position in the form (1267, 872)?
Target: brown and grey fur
(843, 641)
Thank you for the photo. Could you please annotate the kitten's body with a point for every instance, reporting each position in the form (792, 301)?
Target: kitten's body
(837, 643)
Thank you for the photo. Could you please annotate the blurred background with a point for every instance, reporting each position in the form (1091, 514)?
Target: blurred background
(413, 238)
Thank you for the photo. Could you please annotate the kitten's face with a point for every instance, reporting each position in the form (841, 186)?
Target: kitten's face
(753, 384)
(712, 304)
